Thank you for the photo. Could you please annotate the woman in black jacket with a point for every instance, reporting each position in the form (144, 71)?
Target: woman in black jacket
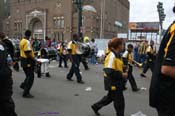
(113, 79)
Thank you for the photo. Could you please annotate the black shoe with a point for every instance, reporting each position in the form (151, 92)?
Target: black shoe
(70, 79)
(80, 82)
(22, 86)
(28, 96)
(136, 90)
(48, 75)
(66, 67)
(125, 88)
(95, 110)
(60, 66)
(142, 75)
(87, 68)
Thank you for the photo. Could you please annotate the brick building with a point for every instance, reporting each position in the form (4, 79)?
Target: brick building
(58, 18)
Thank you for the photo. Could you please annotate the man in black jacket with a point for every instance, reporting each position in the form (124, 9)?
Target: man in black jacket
(7, 107)
(162, 94)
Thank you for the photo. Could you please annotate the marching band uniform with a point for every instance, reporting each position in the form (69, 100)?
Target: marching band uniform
(113, 82)
(75, 59)
(161, 93)
(127, 59)
(27, 63)
(149, 59)
(83, 56)
(62, 54)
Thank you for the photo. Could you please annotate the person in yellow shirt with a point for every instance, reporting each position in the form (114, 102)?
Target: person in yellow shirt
(128, 60)
(27, 63)
(62, 51)
(113, 79)
(75, 59)
(150, 58)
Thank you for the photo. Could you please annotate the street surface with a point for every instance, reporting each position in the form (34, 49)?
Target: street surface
(56, 96)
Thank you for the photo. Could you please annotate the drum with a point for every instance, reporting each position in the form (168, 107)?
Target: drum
(84, 49)
(49, 53)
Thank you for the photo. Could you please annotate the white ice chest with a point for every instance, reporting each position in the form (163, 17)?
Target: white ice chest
(44, 65)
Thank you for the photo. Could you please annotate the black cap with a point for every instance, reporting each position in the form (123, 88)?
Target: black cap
(75, 36)
(174, 9)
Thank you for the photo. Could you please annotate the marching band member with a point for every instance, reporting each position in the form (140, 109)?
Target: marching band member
(62, 51)
(149, 59)
(83, 57)
(161, 93)
(127, 59)
(27, 62)
(75, 59)
(113, 79)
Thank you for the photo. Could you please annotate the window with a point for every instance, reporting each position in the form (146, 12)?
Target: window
(15, 26)
(58, 22)
(62, 23)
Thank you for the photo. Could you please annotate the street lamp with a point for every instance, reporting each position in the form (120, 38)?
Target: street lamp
(161, 13)
(162, 16)
(79, 4)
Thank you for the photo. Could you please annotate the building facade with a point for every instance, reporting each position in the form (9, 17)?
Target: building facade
(59, 18)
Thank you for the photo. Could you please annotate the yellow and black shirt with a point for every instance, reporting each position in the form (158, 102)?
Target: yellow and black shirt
(24, 47)
(142, 49)
(127, 57)
(150, 53)
(162, 89)
(72, 47)
(113, 69)
(106, 51)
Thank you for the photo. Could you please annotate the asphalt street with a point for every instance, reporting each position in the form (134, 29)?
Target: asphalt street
(56, 96)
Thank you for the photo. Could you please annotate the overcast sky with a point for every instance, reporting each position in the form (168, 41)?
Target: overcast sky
(146, 10)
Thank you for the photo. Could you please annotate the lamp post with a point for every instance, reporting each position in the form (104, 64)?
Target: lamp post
(79, 4)
(161, 15)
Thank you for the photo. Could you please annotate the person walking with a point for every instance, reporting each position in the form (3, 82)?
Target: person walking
(62, 51)
(75, 59)
(128, 60)
(27, 62)
(113, 79)
(150, 58)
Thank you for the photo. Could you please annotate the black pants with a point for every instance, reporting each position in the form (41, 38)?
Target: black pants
(147, 66)
(164, 113)
(63, 58)
(75, 68)
(16, 66)
(117, 98)
(7, 107)
(131, 79)
(28, 82)
(84, 62)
